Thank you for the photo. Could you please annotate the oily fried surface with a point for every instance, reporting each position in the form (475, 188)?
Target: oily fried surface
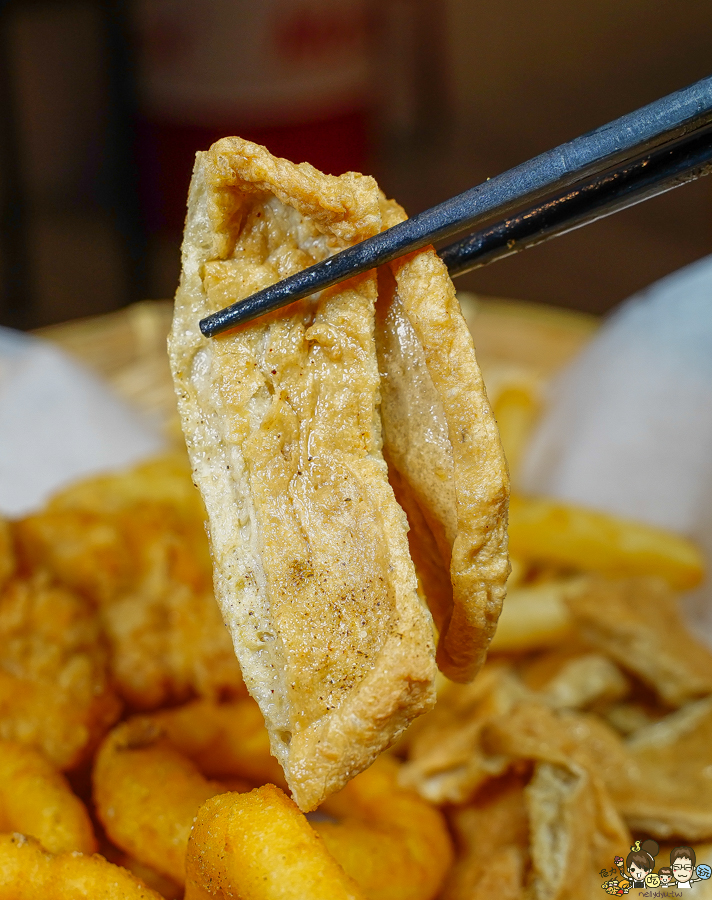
(441, 439)
(27, 872)
(259, 846)
(446, 762)
(36, 800)
(134, 544)
(670, 790)
(492, 836)
(637, 621)
(147, 795)
(55, 692)
(393, 843)
(281, 417)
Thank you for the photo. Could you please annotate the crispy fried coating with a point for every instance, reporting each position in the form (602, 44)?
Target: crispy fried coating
(445, 458)
(670, 789)
(147, 794)
(281, 417)
(492, 839)
(446, 762)
(573, 537)
(259, 846)
(637, 621)
(54, 687)
(134, 543)
(392, 843)
(27, 872)
(36, 800)
(226, 740)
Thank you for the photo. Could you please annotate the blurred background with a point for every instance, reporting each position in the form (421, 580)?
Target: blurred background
(103, 104)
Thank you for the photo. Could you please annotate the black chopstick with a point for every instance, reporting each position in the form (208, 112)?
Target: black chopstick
(631, 183)
(675, 118)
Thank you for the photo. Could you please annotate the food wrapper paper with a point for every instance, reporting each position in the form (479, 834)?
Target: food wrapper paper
(58, 422)
(628, 424)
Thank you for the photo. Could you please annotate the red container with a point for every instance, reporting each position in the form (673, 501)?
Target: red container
(290, 74)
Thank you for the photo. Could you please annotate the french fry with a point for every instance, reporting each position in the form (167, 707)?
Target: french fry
(577, 538)
(533, 617)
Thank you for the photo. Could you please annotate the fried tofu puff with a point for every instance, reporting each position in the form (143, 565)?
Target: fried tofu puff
(281, 417)
(444, 454)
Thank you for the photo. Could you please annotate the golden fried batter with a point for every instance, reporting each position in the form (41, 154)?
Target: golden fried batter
(311, 558)
(54, 687)
(134, 544)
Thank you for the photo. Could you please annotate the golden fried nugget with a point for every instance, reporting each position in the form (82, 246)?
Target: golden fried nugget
(392, 843)
(492, 840)
(446, 762)
(259, 846)
(637, 621)
(54, 687)
(281, 417)
(147, 794)
(226, 740)
(534, 616)
(543, 530)
(134, 543)
(669, 791)
(441, 438)
(36, 800)
(27, 872)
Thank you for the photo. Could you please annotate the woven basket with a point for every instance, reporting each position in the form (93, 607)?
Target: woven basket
(128, 347)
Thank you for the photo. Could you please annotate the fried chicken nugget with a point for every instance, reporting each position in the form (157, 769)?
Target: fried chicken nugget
(54, 688)
(259, 846)
(27, 872)
(135, 544)
(225, 740)
(147, 794)
(392, 843)
(36, 799)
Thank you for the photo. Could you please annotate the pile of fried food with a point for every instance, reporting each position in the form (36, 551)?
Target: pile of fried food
(356, 492)
(126, 728)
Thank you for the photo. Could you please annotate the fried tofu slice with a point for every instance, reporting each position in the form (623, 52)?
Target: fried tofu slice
(446, 762)
(637, 622)
(670, 791)
(281, 417)
(444, 454)
(492, 840)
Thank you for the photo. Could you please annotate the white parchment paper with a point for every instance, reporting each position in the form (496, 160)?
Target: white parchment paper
(628, 428)
(58, 422)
